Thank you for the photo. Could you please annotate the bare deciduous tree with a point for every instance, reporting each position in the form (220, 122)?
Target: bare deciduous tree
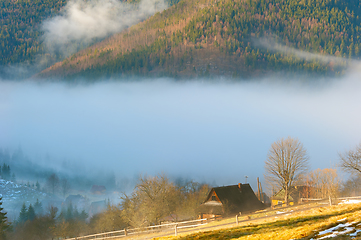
(350, 161)
(325, 183)
(153, 199)
(286, 161)
(157, 199)
(109, 220)
(193, 195)
(352, 187)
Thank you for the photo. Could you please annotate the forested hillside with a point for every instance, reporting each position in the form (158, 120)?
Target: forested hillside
(203, 37)
(19, 28)
(22, 36)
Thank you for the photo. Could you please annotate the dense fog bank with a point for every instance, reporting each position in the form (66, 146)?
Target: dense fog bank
(214, 132)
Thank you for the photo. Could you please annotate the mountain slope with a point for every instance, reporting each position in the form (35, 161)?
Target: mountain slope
(24, 30)
(19, 28)
(226, 37)
(144, 35)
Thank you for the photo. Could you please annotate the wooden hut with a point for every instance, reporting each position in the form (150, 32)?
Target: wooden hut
(295, 196)
(230, 200)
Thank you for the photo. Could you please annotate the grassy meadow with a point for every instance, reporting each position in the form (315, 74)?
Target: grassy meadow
(331, 222)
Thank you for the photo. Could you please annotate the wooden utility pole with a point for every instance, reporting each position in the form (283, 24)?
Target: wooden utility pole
(262, 196)
(258, 187)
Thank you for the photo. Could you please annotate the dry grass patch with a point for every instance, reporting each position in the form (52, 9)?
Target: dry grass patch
(299, 225)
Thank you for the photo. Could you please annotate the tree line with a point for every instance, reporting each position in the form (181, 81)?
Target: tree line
(154, 200)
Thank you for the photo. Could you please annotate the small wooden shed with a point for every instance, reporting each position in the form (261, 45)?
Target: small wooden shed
(296, 194)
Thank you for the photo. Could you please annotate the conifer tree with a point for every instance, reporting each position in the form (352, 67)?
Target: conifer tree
(69, 212)
(37, 186)
(8, 172)
(38, 207)
(31, 213)
(23, 216)
(5, 173)
(4, 225)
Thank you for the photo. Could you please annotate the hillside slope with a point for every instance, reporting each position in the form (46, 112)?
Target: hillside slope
(226, 37)
(20, 28)
(24, 26)
(332, 222)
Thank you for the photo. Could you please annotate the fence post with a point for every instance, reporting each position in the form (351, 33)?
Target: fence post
(125, 232)
(175, 229)
(237, 219)
(329, 199)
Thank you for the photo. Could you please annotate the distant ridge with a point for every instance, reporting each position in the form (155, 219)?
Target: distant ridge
(226, 37)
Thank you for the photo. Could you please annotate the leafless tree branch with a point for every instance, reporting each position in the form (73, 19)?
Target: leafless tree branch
(350, 161)
(287, 159)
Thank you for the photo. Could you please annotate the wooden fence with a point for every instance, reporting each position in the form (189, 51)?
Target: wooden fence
(168, 227)
(144, 230)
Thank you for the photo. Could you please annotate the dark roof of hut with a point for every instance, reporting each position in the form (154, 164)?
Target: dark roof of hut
(234, 199)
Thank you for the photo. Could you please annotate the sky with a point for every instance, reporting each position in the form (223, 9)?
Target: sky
(216, 131)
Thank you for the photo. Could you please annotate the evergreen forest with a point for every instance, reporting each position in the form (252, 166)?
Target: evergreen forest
(198, 38)
(235, 38)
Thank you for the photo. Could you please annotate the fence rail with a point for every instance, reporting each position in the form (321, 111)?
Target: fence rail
(170, 226)
(144, 230)
(357, 197)
(327, 198)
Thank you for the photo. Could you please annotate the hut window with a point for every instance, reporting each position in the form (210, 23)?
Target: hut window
(214, 198)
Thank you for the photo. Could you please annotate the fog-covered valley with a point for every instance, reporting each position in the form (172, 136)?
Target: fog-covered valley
(215, 132)
(120, 114)
(96, 139)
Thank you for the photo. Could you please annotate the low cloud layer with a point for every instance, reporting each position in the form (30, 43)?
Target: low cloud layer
(81, 21)
(216, 132)
(272, 45)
